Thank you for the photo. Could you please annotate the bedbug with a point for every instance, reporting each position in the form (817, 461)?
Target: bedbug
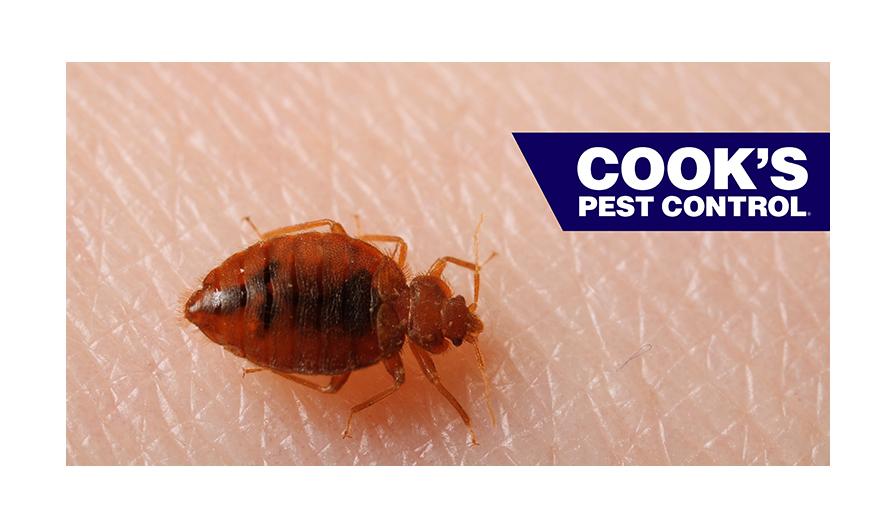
(305, 301)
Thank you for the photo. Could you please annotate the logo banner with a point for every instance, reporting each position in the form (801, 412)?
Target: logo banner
(683, 181)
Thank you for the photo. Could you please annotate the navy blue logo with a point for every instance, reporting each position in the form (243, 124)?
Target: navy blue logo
(683, 181)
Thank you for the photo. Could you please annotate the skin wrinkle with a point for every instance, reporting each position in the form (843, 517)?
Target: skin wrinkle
(178, 153)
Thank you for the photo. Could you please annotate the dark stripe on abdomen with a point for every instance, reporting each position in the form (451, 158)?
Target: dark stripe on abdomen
(359, 301)
(347, 306)
(267, 313)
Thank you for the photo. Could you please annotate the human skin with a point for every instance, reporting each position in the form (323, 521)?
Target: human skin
(601, 347)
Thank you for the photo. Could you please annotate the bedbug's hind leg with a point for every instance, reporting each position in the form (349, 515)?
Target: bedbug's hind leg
(428, 366)
(396, 369)
(400, 252)
(334, 226)
(335, 382)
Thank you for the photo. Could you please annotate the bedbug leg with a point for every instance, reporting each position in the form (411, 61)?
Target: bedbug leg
(400, 252)
(396, 369)
(334, 226)
(439, 265)
(428, 366)
(335, 382)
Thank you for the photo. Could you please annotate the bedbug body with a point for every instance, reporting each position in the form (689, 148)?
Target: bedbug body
(301, 301)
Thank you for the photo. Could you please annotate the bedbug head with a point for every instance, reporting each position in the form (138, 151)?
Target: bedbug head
(438, 319)
(425, 324)
(459, 321)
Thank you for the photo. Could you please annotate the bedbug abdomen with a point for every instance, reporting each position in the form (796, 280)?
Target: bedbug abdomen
(217, 308)
(310, 304)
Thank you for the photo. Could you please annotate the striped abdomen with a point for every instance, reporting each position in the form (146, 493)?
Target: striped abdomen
(307, 303)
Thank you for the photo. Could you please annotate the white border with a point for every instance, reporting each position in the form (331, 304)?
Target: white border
(37, 39)
(461, 30)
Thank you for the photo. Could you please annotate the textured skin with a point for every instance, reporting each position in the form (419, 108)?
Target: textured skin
(603, 348)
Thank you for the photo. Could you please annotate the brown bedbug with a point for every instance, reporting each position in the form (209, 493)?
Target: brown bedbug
(301, 301)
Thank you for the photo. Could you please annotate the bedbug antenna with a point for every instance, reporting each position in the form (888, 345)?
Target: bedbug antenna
(475, 302)
(475, 245)
(481, 362)
(478, 266)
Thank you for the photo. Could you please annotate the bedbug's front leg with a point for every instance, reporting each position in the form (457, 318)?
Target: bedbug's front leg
(476, 268)
(428, 366)
(439, 265)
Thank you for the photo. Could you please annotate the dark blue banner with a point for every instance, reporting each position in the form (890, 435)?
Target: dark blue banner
(711, 181)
